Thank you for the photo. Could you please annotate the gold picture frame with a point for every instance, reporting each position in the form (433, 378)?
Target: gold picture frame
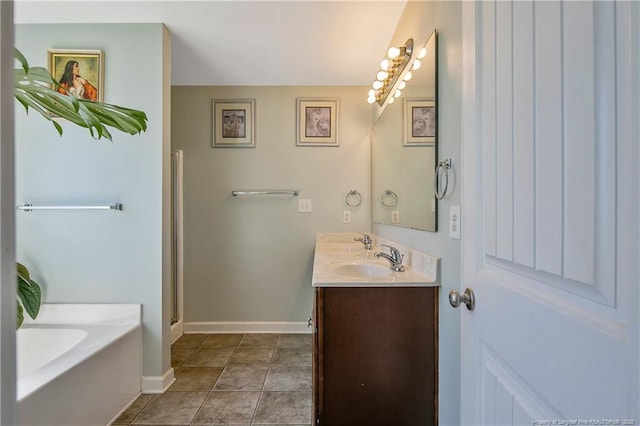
(317, 122)
(420, 122)
(234, 123)
(79, 72)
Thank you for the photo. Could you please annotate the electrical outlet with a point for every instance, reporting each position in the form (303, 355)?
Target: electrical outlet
(454, 222)
(304, 205)
(395, 216)
(346, 216)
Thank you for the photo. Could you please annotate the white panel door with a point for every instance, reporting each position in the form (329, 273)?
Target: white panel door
(550, 243)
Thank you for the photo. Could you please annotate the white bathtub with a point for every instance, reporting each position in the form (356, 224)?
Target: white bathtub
(78, 364)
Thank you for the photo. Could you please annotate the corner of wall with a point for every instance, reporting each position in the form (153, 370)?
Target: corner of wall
(157, 384)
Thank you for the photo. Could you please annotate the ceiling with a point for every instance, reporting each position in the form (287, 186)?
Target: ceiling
(245, 43)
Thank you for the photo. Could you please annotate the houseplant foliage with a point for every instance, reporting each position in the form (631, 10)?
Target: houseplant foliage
(34, 88)
(29, 295)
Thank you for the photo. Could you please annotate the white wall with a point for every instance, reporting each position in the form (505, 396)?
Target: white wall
(250, 259)
(418, 20)
(100, 256)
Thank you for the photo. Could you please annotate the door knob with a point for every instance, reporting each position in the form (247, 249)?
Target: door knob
(468, 298)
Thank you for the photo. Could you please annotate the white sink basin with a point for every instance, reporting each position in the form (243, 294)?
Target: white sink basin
(369, 270)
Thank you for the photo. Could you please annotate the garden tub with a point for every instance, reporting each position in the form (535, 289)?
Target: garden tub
(78, 364)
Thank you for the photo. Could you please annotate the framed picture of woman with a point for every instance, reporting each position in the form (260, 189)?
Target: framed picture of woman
(80, 73)
(420, 122)
(317, 122)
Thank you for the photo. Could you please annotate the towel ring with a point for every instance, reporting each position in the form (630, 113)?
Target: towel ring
(389, 194)
(441, 191)
(353, 198)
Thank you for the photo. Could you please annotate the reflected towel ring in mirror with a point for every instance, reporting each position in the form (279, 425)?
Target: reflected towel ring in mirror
(353, 198)
(389, 198)
(442, 174)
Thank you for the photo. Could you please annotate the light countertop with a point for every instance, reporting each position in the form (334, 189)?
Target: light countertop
(339, 261)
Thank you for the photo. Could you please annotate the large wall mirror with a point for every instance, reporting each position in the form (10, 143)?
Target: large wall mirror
(404, 151)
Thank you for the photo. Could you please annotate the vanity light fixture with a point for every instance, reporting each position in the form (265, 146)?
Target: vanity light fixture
(390, 79)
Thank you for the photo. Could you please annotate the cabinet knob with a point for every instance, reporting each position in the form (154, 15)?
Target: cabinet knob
(468, 298)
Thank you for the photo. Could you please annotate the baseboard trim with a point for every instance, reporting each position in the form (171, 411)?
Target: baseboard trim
(209, 327)
(176, 331)
(157, 384)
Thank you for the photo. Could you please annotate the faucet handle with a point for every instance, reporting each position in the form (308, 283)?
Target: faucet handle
(365, 237)
(366, 240)
(396, 256)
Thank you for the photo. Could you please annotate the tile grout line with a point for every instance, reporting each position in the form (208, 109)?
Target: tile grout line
(205, 398)
(255, 410)
(142, 409)
(236, 348)
(226, 364)
(191, 352)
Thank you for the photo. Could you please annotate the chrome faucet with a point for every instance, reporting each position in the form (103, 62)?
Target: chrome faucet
(366, 240)
(395, 258)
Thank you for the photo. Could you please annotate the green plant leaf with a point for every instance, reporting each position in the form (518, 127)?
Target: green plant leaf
(30, 296)
(19, 316)
(23, 271)
(29, 292)
(35, 88)
(23, 61)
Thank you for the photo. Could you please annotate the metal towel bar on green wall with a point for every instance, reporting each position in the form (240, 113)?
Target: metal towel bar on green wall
(30, 207)
(292, 192)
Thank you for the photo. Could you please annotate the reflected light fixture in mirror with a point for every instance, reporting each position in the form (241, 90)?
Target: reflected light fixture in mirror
(393, 73)
(402, 164)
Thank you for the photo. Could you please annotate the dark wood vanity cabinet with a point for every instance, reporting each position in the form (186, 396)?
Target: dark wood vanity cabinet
(375, 356)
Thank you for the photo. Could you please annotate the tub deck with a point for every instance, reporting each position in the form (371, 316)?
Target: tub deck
(89, 381)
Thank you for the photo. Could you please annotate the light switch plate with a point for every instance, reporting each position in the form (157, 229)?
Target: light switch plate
(395, 216)
(346, 216)
(304, 205)
(454, 222)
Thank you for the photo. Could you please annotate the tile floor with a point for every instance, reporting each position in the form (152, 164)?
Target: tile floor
(239, 379)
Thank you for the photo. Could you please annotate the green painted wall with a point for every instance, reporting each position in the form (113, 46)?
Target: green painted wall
(101, 256)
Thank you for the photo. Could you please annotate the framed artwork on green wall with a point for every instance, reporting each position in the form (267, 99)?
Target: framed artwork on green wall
(234, 123)
(79, 72)
(317, 122)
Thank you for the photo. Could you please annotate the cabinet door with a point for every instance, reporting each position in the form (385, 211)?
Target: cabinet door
(317, 355)
(378, 356)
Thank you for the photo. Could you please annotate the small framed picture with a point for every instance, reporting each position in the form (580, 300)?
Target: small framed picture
(317, 122)
(420, 122)
(234, 123)
(79, 72)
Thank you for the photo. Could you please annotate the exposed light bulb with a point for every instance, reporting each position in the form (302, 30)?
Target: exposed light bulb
(393, 52)
(423, 53)
(377, 84)
(397, 94)
(408, 76)
(372, 92)
(391, 100)
(384, 65)
(371, 99)
(402, 85)
(416, 64)
(382, 75)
